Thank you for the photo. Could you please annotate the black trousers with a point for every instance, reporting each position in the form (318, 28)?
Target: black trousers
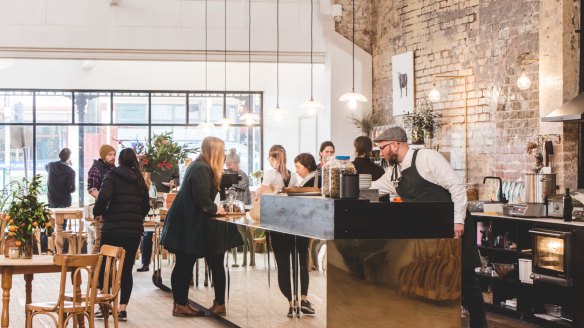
(181, 277)
(283, 245)
(472, 299)
(146, 248)
(130, 245)
(182, 274)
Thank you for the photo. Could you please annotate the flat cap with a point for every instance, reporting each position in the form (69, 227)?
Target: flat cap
(394, 133)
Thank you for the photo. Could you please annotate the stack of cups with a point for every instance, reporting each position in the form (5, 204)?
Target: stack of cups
(364, 181)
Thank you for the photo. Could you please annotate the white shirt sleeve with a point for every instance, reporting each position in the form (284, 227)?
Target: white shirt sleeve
(433, 167)
(385, 185)
(269, 178)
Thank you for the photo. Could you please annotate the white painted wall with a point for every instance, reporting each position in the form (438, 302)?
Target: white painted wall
(173, 25)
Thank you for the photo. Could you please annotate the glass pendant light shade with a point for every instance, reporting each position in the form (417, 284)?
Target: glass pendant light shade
(224, 122)
(206, 125)
(249, 116)
(311, 107)
(353, 98)
(277, 113)
(434, 95)
(523, 82)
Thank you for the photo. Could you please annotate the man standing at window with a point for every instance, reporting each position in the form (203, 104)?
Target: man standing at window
(96, 174)
(61, 181)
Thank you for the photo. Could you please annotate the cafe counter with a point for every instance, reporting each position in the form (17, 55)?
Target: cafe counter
(388, 264)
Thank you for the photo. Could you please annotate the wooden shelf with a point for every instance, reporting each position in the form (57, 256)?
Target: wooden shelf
(495, 249)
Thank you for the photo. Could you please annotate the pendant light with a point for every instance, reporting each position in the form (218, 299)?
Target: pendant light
(311, 106)
(225, 121)
(277, 112)
(249, 116)
(207, 124)
(353, 98)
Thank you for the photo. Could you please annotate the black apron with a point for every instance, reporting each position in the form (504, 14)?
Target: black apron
(414, 188)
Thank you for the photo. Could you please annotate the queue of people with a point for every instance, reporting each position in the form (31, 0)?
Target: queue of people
(414, 175)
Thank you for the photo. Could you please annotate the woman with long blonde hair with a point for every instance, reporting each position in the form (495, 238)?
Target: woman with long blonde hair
(279, 176)
(190, 234)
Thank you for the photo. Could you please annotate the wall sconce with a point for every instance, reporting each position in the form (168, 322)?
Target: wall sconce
(434, 94)
(523, 82)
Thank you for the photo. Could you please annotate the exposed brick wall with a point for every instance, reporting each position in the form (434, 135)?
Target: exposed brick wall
(362, 22)
(485, 41)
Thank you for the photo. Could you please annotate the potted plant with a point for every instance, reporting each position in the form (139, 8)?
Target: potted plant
(26, 214)
(422, 121)
(257, 175)
(160, 153)
(368, 121)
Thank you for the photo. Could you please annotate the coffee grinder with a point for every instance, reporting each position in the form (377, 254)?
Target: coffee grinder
(228, 179)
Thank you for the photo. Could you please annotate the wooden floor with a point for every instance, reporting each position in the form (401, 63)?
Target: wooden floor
(151, 307)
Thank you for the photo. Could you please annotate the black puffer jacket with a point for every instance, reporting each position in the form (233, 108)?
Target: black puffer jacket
(61, 184)
(123, 203)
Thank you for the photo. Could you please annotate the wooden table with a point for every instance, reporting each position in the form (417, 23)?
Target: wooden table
(28, 267)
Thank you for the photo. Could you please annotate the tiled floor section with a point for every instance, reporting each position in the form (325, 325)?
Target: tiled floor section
(152, 308)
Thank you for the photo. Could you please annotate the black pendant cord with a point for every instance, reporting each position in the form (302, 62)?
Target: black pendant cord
(206, 47)
(353, 46)
(278, 54)
(311, 49)
(225, 56)
(249, 48)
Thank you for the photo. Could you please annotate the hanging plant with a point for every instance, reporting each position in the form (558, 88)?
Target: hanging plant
(368, 121)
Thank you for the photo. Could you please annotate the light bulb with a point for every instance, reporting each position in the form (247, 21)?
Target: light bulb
(434, 95)
(225, 125)
(352, 104)
(249, 121)
(523, 82)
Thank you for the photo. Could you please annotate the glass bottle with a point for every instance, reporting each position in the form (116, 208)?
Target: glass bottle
(568, 206)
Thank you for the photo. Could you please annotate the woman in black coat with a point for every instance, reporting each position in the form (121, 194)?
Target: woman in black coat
(121, 206)
(190, 234)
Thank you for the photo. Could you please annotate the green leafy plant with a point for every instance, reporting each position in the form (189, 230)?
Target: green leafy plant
(423, 119)
(161, 153)
(368, 121)
(257, 174)
(26, 213)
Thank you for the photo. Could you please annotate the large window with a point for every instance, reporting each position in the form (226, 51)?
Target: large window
(36, 124)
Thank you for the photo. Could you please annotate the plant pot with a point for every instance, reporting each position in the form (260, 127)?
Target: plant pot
(8, 243)
(26, 249)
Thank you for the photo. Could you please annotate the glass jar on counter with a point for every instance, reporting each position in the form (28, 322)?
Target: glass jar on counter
(472, 191)
(331, 175)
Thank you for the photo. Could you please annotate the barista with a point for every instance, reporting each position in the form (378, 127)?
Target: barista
(425, 175)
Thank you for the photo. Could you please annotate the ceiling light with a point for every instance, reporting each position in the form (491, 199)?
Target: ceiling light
(311, 106)
(353, 98)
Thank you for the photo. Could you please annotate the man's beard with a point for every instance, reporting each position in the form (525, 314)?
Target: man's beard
(112, 163)
(393, 159)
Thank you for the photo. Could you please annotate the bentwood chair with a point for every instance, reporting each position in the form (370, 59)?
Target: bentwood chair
(107, 298)
(82, 303)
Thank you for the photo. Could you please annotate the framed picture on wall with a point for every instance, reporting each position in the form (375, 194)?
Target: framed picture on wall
(402, 67)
